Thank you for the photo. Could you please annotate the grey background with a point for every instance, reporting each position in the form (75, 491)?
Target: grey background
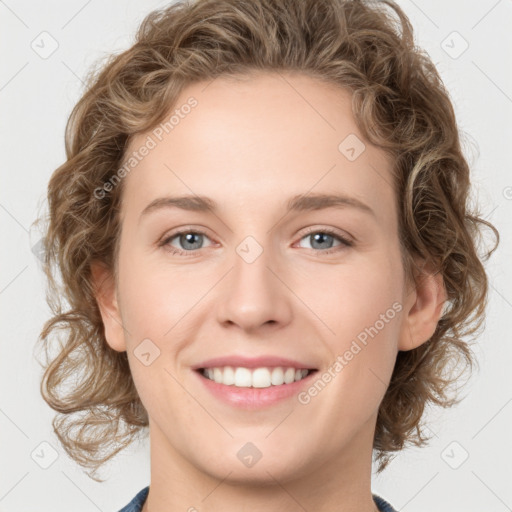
(36, 96)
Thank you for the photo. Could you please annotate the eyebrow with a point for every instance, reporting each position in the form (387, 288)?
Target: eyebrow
(298, 203)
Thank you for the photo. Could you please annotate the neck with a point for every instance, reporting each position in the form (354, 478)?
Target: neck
(340, 482)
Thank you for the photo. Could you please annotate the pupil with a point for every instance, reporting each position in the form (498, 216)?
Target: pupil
(319, 237)
(189, 238)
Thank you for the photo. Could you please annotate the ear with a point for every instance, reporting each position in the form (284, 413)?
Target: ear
(423, 308)
(105, 294)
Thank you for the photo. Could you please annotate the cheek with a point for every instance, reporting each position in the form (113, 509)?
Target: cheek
(154, 311)
(347, 299)
(154, 298)
(147, 307)
(361, 306)
(363, 310)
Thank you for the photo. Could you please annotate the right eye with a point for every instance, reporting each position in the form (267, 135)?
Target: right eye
(189, 239)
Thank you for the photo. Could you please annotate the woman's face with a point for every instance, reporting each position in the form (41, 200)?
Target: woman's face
(276, 268)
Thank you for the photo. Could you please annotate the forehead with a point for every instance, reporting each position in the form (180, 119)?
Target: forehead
(255, 141)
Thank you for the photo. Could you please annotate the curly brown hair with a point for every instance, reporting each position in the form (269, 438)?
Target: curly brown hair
(400, 105)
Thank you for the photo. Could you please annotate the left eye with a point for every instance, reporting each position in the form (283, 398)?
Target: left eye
(326, 237)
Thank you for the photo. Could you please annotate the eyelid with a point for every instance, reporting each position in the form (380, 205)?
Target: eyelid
(182, 229)
(345, 237)
(345, 241)
(164, 241)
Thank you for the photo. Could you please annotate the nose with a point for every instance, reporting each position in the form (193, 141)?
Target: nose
(254, 295)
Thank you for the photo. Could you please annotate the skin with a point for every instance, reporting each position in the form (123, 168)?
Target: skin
(250, 145)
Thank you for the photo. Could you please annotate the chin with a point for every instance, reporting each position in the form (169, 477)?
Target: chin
(257, 463)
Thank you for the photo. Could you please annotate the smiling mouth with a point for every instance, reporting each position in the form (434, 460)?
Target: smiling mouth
(263, 377)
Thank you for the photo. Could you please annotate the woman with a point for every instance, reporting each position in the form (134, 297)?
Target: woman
(267, 368)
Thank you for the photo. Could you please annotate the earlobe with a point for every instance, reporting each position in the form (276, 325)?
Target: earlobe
(423, 309)
(105, 294)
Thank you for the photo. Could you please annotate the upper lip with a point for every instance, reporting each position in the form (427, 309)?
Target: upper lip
(252, 362)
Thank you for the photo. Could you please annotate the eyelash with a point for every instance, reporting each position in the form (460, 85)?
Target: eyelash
(344, 241)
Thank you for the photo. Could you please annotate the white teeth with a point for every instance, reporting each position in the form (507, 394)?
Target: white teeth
(228, 376)
(277, 377)
(243, 378)
(261, 378)
(256, 378)
(217, 375)
(289, 375)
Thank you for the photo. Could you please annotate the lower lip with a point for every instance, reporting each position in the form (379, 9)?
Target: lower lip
(254, 398)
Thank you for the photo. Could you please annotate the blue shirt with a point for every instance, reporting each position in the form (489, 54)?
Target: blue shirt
(138, 501)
